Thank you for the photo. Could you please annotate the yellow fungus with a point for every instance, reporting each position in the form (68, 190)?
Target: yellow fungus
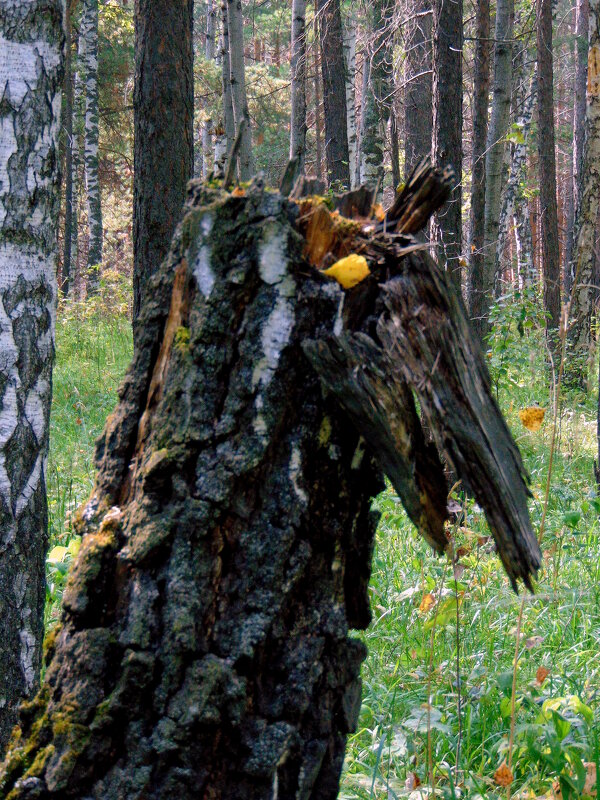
(349, 271)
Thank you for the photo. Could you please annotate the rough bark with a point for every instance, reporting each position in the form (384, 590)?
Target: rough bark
(334, 92)
(298, 72)
(417, 93)
(495, 155)
(583, 291)
(547, 167)
(350, 65)
(31, 75)
(579, 106)
(164, 142)
(235, 22)
(204, 644)
(318, 119)
(447, 126)
(376, 112)
(89, 67)
(481, 93)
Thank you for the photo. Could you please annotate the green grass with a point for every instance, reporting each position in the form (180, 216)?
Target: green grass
(93, 350)
(413, 652)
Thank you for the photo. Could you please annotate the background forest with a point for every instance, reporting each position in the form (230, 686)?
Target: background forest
(466, 687)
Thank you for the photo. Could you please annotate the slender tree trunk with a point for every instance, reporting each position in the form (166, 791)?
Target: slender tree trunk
(31, 75)
(481, 96)
(524, 243)
(582, 305)
(525, 99)
(379, 94)
(496, 146)
(68, 129)
(547, 167)
(417, 92)
(318, 118)
(334, 92)
(579, 106)
(235, 21)
(298, 72)
(350, 65)
(226, 139)
(209, 53)
(395, 148)
(164, 141)
(77, 174)
(89, 32)
(447, 125)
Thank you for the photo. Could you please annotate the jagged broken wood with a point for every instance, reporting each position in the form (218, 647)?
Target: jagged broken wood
(204, 644)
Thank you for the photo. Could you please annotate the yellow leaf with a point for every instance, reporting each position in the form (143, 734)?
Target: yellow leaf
(532, 417)
(378, 212)
(238, 192)
(503, 776)
(541, 675)
(426, 603)
(349, 271)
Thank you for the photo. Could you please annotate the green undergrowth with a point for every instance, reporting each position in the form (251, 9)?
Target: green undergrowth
(93, 350)
(430, 624)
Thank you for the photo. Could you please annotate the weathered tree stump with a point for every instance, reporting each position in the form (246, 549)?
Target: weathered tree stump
(204, 647)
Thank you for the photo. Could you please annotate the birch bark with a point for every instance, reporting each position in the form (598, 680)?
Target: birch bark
(209, 52)
(224, 141)
(31, 73)
(89, 66)
(235, 21)
(350, 64)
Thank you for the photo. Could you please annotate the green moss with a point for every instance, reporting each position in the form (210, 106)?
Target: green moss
(182, 339)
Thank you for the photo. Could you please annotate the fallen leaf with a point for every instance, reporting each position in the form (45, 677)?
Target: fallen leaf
(349, 271)
(238, 192)
(503, 776)
(427, 602)
(541, 675)
(533, 641)
(532, 417)
(378, 212)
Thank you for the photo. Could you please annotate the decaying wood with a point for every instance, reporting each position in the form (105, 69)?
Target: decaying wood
(204, 647)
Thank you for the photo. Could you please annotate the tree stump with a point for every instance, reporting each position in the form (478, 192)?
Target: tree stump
(204, 646)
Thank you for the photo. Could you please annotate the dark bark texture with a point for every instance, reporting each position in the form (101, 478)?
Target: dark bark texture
(333, 70)
(204, 646)
(547, 167)
(447, 125)
(417, 94)
(481, 96)
(164, 144)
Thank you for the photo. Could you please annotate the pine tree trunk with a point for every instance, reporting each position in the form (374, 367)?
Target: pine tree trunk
(334, 92)
(447, 126)
(579, 106)
(31, 74)
(318, 117)
(209, 53)
(89, 66)
(204, 646)
(164, 141)
(298, 72)
(495, 176)
(481, 93)
(547, 167)
(417, 92)
(379, 94)
(583, 293)
(235, 22)
(350, 65)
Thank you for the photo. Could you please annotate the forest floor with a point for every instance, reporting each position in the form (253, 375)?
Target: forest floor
(430, 619)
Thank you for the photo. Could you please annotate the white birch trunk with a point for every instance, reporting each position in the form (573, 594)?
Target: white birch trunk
(350, 60)
(518, 163)
(226, 129)
(89, 67)
(31, 71)
(235, 21)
